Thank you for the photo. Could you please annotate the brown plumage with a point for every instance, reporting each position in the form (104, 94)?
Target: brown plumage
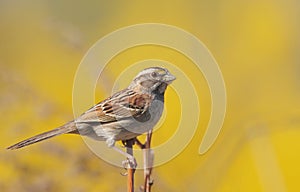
(125, 115)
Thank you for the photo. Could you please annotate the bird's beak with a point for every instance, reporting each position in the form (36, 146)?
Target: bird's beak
(169, 78)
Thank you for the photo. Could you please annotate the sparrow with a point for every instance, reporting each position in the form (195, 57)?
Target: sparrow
(122, 116)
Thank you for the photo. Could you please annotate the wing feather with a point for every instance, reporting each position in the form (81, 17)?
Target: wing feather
(123, 104)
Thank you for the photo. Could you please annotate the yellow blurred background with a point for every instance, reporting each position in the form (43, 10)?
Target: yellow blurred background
(256, 44)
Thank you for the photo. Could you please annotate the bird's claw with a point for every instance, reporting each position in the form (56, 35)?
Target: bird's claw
(129, 163)
(124, 174)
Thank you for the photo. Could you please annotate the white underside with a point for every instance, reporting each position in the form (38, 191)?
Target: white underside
(122, 129)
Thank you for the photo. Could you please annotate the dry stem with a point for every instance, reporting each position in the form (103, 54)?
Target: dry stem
(130, 168)
(148, 163)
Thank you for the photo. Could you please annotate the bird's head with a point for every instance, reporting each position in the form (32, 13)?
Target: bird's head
(153, 79)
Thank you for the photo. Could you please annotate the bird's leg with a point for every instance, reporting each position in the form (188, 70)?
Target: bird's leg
(130, 158)
(140, 144)
(131, 162)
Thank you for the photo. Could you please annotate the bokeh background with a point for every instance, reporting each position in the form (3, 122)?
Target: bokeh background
(256, 44)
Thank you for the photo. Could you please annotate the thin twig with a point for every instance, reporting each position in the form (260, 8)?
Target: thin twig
(148, 163)
(130, 167)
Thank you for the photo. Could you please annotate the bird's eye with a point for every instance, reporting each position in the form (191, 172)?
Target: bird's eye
(154, 74)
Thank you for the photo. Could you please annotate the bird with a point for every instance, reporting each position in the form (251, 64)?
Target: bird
(124, 115)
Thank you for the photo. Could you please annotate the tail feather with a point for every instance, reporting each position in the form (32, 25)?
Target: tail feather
(68, 128)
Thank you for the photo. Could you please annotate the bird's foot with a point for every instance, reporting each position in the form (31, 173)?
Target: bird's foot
(129, 163)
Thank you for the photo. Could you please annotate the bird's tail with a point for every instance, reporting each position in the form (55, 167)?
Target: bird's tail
(67, 128)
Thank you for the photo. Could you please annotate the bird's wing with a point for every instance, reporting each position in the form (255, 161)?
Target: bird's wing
(123, 104)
